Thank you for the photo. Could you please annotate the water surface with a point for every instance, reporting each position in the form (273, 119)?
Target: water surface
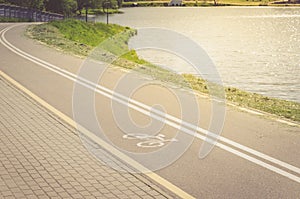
(255, 49)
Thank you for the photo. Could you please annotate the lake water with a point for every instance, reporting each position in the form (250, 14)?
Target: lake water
(256, 49)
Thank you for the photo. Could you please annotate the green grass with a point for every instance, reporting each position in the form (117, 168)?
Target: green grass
(91, 34)
(101, 12)
(48, 34)
(146, 3)
(283, 108)
(7, 19)
(157, 3)
(75, 36)
(245, 2)
(81, 38)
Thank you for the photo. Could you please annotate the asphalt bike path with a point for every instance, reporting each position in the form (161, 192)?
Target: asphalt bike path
(256, 155)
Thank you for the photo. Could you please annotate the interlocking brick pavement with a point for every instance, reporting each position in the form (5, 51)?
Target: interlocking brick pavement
(42, 157)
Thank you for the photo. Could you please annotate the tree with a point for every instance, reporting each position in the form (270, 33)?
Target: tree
(80, 5)
(69, 7)
(66, 7)
(34, 4)
(96, 3)
(119, 2)
(54, 6)
(84, 4)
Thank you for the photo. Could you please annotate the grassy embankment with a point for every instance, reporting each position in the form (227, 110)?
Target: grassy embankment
(157, 3)
(81, 38)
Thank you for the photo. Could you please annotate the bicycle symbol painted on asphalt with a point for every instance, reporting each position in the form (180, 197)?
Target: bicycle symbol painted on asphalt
(149, 141)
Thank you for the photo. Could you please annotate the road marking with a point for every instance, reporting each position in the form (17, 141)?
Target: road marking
(176, 190)
(262, 113)
(149, 141)
(168, 119)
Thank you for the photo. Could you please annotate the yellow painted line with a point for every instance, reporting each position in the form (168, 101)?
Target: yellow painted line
(158, 179)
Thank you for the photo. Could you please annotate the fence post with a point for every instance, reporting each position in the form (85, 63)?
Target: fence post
(12, 12)
(6, 11)
(1, 10)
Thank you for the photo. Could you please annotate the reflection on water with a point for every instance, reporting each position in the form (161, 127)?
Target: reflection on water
(256, 49)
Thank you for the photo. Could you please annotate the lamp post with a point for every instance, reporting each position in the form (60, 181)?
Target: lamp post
(86, 6)
(106, 4)
(86, 13)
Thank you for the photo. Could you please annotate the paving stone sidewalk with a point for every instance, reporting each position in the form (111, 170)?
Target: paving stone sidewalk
(42, 157)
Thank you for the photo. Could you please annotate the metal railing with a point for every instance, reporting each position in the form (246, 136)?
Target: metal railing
(10, 11)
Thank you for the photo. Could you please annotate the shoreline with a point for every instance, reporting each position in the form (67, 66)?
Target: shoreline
(224, 3)
(52, 37)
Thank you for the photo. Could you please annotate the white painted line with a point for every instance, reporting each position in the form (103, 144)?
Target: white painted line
(271, 116)
(102, 143)
(286, 122)
(155, 114)
(250, 111)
